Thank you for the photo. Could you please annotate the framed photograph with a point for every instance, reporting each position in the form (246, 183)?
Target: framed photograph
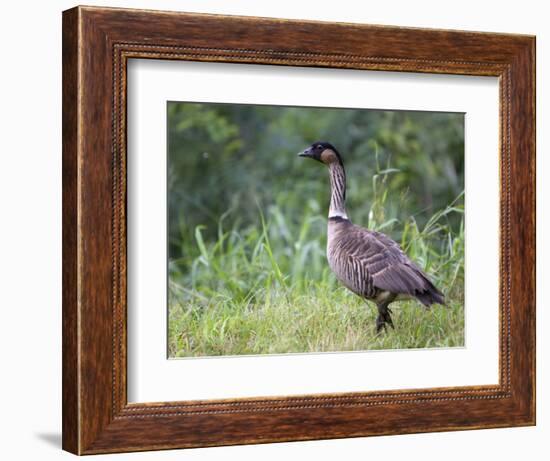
(281, 230)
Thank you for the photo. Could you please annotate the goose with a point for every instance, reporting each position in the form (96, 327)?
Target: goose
(367, 262)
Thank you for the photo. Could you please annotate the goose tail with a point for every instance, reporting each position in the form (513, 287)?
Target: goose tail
(430, 295)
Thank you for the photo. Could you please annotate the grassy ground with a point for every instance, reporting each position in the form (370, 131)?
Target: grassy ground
(267, 289)
(317, 321)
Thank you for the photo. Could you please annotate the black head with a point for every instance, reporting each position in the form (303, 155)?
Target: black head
(323, 152)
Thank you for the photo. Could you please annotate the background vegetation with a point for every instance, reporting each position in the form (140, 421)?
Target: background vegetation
(247, 226)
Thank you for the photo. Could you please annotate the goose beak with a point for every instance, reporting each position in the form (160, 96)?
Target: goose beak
(306, 153)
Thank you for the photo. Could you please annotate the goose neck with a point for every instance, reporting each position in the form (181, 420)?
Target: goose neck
(337, 191)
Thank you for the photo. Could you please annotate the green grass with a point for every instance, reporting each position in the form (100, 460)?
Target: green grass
(320, 320)
(267, 288)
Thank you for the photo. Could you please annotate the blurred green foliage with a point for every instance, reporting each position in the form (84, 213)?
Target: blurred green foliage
(233, 157)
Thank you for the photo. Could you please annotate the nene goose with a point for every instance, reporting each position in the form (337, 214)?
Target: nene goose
(367, 262)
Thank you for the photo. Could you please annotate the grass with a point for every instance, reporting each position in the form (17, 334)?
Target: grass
(318, 321)
(267, 288)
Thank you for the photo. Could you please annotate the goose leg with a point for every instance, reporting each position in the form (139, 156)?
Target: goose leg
(384, 316)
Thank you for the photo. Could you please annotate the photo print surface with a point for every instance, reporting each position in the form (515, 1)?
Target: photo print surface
(309, 230)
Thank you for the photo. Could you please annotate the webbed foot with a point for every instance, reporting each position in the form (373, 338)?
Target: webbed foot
(384, 318)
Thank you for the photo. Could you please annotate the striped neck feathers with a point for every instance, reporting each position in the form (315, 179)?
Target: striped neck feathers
(337, 191)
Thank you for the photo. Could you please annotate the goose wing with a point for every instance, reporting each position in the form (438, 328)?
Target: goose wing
(388, 267)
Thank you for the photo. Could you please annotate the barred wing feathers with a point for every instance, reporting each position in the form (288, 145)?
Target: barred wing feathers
(378, 263)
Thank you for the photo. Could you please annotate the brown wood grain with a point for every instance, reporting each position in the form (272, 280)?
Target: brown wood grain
(70, 384)
(97, 43)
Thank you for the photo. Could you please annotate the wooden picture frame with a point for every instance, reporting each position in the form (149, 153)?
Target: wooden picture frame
(97, 43)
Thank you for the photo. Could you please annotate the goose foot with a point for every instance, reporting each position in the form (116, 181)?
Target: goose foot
(384, 318)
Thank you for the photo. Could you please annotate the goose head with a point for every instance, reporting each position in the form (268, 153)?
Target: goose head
(323, 152)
